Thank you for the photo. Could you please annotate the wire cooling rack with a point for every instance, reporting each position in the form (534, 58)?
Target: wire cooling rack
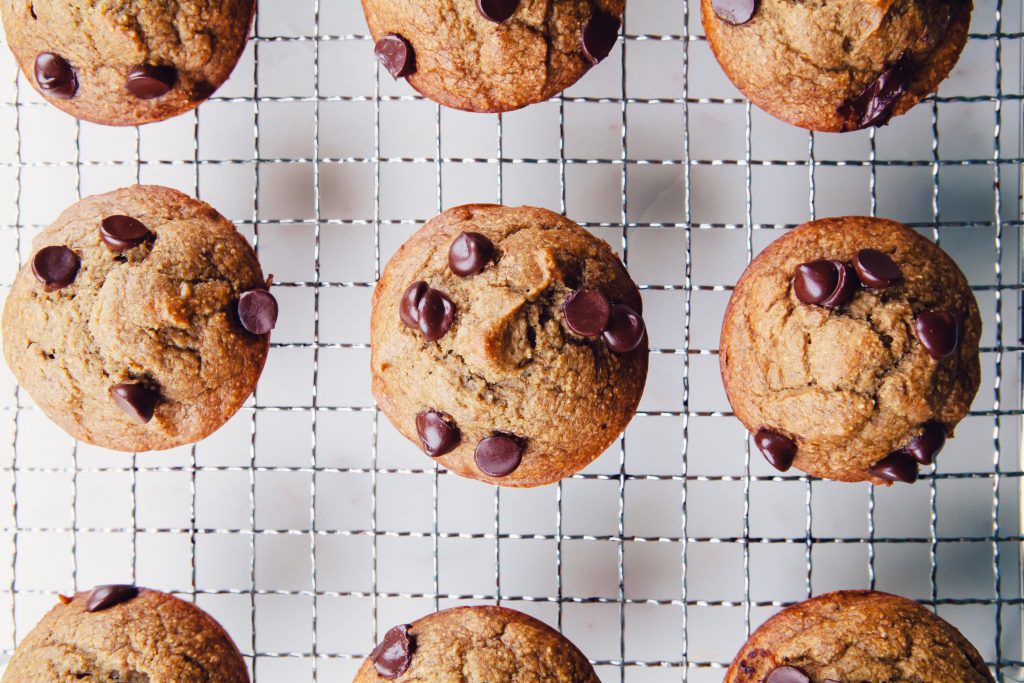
(308, 526)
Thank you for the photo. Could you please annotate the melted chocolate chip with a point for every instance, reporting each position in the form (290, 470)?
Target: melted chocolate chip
(876, 269)
(815, 281)
(500, 455)
(599, 36)
(925, 447)
(137, 400)
(787, 674)
(874, 105)
(587, 312)
(497, 10)
(846, 287)
(55, 76)
(392, 656)
(469, 254)
(148, 81)
(938, 332)
(778, 450)
(895, 467)
(122, 233)
(105, 597)
(56, 267)
(436, 313)
(438, 435)
(626, 330)
(396, 54)
(408, 308)
(257, 311)
(734, 12)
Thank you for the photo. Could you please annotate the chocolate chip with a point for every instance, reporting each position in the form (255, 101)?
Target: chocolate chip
(392, 656)
(876, 269)
(874, 105)
(734, 12)
(894, 467)
(55, 76)
(778, 450)
(599, 36)
(438, 435)
(469, 254)
(845, 288)
(395, 54)
(408, 308)
(137, 400)
(815, 281)
(500, 455)
(938, 332)
(56, 267)
(787, 674)
(122, 233)
(257, 311)
(626, 330)
(148, 81)
(436, 313)
(497, 10)
(925, 447)
(105, 597)
(587, 312)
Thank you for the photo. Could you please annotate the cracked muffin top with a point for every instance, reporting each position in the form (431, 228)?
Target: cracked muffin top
(129, 635)
(126, 62)
(837, 65)
(850, 350)
(508, 343)
(141, 320)
(492, 55)
(476, 645)
(853, 636)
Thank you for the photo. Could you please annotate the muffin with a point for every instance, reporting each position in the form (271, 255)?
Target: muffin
(141, 320)
(850, 350)
(492, 55)
(123, 633)
(508, 343)
(837, 66)
(126, 63)
(857, 636)
(476, 645)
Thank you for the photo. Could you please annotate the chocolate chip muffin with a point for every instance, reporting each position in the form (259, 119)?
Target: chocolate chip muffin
(839, 65)
(141, 320)
(123, 633)
(492, 55)
(508, 343)
(476, 645)
(130, 62)
(850, 350)
(857, 636)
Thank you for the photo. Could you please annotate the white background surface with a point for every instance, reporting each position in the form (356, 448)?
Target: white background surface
(291, 522)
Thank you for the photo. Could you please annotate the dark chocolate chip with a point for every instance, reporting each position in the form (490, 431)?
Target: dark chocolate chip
(137, 400)
(500, 455)
(599, 36)
(587, 312)
(787, 674)
(874, 105)
(815, 281)
(55, 266)
(778, 450)
(436, 313)
(257, 311)
(876, 269)
(149, 81)
(734, 12)
(393, 654)
(938, 332)
(896, 466)
(626, 330)
(55, 76)
(122, 233)
(925, 447)
(395, 54)
(497, 10)
(105, 597)
(438, 435)
(846, 287)
(408, 308)
(469, 254)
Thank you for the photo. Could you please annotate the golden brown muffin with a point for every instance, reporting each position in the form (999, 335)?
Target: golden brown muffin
(140, 321)
(476, 645)
(837, 65)
(492, 55)
(850, 350)
(508, 343)
(128, 62)
(854, 636)
(128, 635)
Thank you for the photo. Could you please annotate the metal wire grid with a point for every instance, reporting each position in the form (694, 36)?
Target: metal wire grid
(612, 665)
